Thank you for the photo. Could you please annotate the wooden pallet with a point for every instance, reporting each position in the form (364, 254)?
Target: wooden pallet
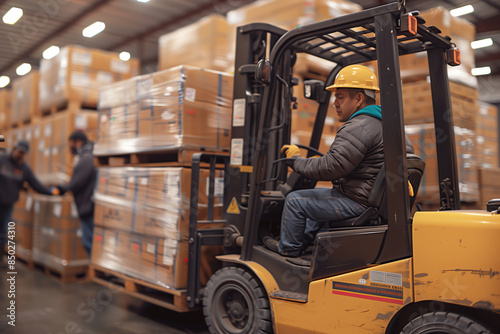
(172, 299)
(21, 124)
(25, 257)
(66, 275)
(67, 105)
(176, 157)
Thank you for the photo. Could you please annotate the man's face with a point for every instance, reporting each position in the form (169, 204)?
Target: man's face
(18, 156)
(345, 105)
(73, 146)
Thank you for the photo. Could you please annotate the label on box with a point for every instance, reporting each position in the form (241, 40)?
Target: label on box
(79, 233)
(36, 132)
(46, 152)
(144, 87)
(167, 115)
(80, 79)
(41, 145)
(236, 152)
(104, 77)
(120, 66)
(55, 151)
(81, 58)
(168, 254)
(173, 180)
(81, 122)
(144, 181)
(131, 179)
(48, 130)
(29, 202)
(48, 231)
(329, 120)
(190, 94)
(150, 248)
(235, 17)
(57, 210)
(74, 210)
(218, 186)
(36, 207)
(28, 135)
(239, 112)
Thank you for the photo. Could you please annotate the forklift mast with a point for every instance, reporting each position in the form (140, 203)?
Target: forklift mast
(263, 100)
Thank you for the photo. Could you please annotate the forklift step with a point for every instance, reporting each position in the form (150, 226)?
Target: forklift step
(287, 295)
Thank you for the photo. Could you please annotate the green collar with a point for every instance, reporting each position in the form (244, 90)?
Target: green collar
(371, 110)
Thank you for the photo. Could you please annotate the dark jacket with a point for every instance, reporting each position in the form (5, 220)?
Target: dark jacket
(354, 158)
(83, 181)
(12, 178)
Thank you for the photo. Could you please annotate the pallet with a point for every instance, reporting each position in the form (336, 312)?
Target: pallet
(21, 124)
(67, 105)
(24, 258)
(66, 275)
(175, 157)
(171, 299)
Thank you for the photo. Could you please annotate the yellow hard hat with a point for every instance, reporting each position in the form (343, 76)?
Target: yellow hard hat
(355, 76)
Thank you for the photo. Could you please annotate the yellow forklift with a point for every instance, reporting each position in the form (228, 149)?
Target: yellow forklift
(385, 271)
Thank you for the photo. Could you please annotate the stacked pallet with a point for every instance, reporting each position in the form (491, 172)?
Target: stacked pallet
(149, 128)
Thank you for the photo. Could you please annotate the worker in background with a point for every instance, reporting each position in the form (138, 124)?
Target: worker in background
(82, 185)
(13, 173)
(353, 161)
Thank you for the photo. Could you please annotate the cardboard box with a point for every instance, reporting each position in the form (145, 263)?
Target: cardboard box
(180, 107)
(5, 105)
(204, 43)
(489, 185)
(487, 136)
(25, 98)
(57, 235)
(23, 217)
(76, 74)
(422, 137)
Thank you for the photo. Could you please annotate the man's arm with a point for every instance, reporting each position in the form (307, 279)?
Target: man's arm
(35, 183)
(81, 175)
(347, 151)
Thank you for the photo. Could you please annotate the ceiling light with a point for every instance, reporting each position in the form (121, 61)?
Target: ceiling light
(51, 52)
(482, 43)
(13, 15)
(4, 81)
(125, 56)
(23, 69)
(481, 71)
(462, 10)
(143, 1)
(93, 29)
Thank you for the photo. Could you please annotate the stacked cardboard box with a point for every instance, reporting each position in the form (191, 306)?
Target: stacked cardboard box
(180, 107)
(461, 31)
(489, 185)
(53, 162)
(57, 242)
(203, 44)
(5, 105)
(142, 216)
(23, 217)
(25, 99)
(423, 139)
(76, 75)
(487, 136)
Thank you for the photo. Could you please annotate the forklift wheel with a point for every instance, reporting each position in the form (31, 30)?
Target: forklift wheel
(443, 323)
(235, 302)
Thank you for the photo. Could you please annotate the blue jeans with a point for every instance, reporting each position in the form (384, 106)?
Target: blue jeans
(5, 218)
(307, 212)
(87, 225)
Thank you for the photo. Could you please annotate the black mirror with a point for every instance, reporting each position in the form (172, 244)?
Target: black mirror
(263, 72)
(315, 90)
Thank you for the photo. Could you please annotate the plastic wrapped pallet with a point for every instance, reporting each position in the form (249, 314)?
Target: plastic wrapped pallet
(53, 161)
(418, 108)
(180, 107)
(143, 215)
(5, 105)
(76, 74)
(57, 241)
(204, 43)
(23, 217)
(462, 33)
(25, 98)
(422, 137)
(487, 136)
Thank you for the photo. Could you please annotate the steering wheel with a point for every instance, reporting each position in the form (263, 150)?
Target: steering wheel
(310, 149)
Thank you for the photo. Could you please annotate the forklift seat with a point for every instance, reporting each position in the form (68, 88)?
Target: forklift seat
(376, 213)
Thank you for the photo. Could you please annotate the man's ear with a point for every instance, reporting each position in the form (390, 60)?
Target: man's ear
(360, 98)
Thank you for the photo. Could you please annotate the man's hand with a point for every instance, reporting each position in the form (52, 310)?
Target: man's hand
(291, 151)
(55, 191)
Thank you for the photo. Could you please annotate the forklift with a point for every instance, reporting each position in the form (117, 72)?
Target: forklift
(385, 271)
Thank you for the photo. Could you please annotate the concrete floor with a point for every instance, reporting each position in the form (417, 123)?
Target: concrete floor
(46, 306)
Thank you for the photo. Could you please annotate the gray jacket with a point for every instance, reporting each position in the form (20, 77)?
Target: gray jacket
(354, 159)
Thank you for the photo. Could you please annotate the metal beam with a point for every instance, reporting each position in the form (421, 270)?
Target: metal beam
(488, 24)
(493, 4)
(56, 32)
(193, 14)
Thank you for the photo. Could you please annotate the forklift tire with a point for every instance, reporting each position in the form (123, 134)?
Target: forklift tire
(235, 302)
(443, 323)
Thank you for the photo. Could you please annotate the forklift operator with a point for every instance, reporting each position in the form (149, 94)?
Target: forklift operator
(352, 164)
